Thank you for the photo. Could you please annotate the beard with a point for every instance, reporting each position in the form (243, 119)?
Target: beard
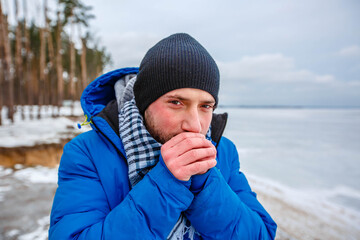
(155, 130)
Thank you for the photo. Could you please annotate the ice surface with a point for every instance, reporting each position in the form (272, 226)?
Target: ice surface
(303, 149)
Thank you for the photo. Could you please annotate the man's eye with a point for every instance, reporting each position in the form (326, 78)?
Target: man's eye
(175, 102)
(207, 106)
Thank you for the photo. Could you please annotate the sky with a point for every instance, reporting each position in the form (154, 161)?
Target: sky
(283, 53)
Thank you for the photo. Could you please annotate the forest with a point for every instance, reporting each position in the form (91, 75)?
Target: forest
(46, 59)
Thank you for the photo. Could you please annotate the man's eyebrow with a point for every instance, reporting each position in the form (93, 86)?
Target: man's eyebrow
(177, 97)
(187, 99)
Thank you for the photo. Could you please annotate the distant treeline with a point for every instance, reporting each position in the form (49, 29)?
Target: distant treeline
(41, 65)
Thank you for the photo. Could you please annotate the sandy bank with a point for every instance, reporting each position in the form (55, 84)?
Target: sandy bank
(45, 155)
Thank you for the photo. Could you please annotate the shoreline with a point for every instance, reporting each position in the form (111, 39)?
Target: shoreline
(304, 217)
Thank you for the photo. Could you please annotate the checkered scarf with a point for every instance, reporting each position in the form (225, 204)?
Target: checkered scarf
(142, 151)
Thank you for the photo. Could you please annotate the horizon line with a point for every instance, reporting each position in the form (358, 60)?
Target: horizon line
(288, 106)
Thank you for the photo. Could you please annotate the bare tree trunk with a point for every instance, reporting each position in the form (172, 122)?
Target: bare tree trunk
(8, 65)
(41, 71)
(34, 82)
(28, 56)
(18, 61)
(72, 75)
(84, 79)
(59, 66)
(72, 66)
(50, 65)
(47, 87)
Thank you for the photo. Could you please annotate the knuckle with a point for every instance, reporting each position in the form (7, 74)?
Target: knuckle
(170, 166)
(163, 149)
(176, 173)
(165, 155)
(168, 154)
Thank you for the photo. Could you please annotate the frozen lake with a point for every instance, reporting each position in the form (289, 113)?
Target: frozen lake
(311, 150)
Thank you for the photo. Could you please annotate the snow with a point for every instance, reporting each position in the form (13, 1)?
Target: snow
(12, 233)
(27, 177)
(4, 189)
(40, 233)
(37, 174)
(5, 171)
(32, 131)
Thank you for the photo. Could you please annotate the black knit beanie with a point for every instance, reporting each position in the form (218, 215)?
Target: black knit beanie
(178, 61)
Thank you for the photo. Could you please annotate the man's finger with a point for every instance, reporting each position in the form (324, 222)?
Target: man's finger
(199, 167)
(191, 143)
(197, 155)
(180, 137)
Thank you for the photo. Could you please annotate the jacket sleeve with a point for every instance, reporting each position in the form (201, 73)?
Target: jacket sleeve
(81, 209)
(229, 209)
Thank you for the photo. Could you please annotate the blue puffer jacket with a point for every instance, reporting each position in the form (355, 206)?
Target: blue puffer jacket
(94, 199)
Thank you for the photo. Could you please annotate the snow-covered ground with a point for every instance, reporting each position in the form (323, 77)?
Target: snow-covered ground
(25, 202)
(32, 131)
(26, 193)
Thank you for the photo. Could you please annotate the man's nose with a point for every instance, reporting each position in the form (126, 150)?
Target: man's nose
(191, 121)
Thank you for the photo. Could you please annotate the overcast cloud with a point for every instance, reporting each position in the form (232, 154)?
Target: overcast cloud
(269, 52)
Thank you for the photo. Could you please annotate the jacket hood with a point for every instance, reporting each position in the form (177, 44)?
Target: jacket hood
(101, 91)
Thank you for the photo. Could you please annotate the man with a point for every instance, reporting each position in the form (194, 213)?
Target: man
(156, 166)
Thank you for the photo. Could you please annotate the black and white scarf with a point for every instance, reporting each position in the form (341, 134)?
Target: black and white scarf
(142, 150)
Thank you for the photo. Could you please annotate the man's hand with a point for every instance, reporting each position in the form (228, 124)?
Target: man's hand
(188, 154)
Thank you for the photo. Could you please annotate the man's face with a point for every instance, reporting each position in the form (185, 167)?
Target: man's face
(181, 110)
